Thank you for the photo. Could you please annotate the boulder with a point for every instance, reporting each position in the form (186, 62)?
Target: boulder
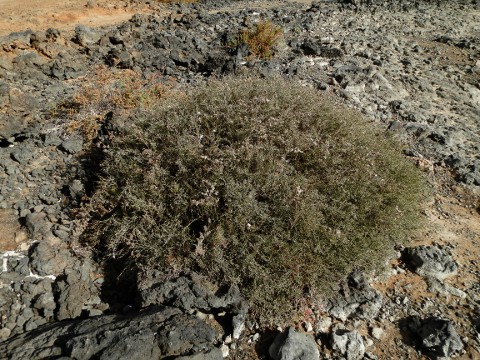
(151, 334)
(190, 293)
(430, 261)
(436, 337)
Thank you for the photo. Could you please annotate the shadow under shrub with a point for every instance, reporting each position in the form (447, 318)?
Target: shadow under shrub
(259, 182)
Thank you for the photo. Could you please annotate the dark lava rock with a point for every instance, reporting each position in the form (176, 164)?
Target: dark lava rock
(72, 145)
(11, 125)
(434, 336)
(75, 291)
(189, 293)
(183, 334)
(85, 36)
(356, 298)
(51, 138)
(439, 337)
(311, 47)
(22, 155)
(430, 261)
(20, 101)
(76, 189)
(16, 263)
(65, 69)
(131, 336)
(214, 354)
(292, 345)
(349, 344)
(37, 225)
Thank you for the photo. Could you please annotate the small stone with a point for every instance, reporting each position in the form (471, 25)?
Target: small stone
(377, 333)
(84, 35)
(5, 333)
(323, 325)
(38, 208)
(357, 299)
(439, 337)
(228, 340)
(308, 326)
(24, 212)
(45, 302)
(225, 350)
(30, 325)
(61, 234)
(254, 338)
(294, 345)
(94, 312)
(201, 315)
(51, 139)
(22, 155)
(72, 145)
(349, 344)
(76, 189)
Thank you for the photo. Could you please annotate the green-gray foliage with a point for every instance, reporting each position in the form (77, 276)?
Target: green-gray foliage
(264, 183)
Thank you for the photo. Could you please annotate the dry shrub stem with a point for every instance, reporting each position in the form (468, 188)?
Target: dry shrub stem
(105, 90)
(263, 183)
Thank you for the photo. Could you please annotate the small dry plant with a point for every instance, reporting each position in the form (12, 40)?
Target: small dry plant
(260, 39)
(105, 90)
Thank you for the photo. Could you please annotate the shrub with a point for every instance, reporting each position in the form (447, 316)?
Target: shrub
(260, 39)
(263, 183)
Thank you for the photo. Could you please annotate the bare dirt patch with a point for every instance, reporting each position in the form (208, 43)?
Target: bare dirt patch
(19, 15)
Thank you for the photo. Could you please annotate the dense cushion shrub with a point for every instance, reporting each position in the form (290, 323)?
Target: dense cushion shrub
(260, 182)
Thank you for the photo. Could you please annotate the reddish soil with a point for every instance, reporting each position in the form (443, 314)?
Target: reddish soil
(20, 15)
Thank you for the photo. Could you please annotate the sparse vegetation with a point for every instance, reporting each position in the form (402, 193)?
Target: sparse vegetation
(260, 39)
(105, 90)
(263, 183)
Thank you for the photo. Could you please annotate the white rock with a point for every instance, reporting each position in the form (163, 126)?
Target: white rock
(308, 326)
(324, 324)
(201, 315)
(225, 350)
(377, 333)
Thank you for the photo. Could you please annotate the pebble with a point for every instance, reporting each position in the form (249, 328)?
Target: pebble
(225, 350)
(377, 333)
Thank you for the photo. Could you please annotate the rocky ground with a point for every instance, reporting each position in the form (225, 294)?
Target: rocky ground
(412, 67)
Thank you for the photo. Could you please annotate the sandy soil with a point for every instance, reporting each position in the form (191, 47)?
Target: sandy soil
(20, 15)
